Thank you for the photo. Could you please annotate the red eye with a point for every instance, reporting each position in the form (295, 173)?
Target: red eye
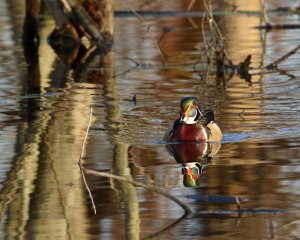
(192, 112)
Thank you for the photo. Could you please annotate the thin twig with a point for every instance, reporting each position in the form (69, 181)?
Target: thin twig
(187, 210)
(67, 6)
(191, 4)
(165, 31)
(86, 135)
(284, 227)
(126, 57)
(215, 31)
(238, 203)
(107, 48)
(242, 113)
(228, 57)
(80, 159)
(138, 184)
(192, 22)
(88, 189)
(264, 16)
(204, 38)
(283, 58)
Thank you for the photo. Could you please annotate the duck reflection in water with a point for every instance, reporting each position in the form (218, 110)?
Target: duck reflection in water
(193, 157)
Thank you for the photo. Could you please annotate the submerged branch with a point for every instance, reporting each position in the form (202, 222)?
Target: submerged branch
(138, 184)
(87, 188)
(80, 159)
(283, 58)
(86, 135)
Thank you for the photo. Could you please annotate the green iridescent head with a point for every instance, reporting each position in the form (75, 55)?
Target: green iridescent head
(189, 111)
(188, 103)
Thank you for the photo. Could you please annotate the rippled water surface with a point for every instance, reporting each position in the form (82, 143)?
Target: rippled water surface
(247, 186)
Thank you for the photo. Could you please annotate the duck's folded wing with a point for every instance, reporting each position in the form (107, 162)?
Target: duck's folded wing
(215, 132)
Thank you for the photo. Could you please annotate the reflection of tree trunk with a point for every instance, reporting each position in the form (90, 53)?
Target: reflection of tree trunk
(27, 147)
(25, 167)
(130, 199)
(30, 27)
(62, 22)
(42, 192)
(94, 20)
(121, 167)
(33, 69)
(102, 13)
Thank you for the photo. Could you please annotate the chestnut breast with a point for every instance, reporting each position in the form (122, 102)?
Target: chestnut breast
(189, 132)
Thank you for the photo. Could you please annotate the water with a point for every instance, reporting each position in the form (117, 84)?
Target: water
(45, 106)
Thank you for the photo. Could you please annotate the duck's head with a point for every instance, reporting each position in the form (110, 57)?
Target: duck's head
(191, 174)
(189, 110)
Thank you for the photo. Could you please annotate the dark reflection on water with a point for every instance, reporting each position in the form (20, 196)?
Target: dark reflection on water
(45, 103)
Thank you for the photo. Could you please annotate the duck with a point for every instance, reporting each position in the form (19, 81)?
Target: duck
(193, 124)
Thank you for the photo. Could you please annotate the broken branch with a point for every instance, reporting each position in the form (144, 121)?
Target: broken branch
(283, 58)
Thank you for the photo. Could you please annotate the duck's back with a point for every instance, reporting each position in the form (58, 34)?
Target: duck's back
(215, 132)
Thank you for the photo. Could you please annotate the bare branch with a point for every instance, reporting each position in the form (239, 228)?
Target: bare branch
(264, 16)
(138, 184)
(283, 58)
(85, 137)
(88, 189)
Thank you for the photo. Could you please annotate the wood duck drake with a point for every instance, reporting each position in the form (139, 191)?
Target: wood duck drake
(194, 124)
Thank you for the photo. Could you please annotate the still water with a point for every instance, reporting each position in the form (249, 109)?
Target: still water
(45, 104)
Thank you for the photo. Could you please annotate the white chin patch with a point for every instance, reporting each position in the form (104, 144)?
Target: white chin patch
(189, 120)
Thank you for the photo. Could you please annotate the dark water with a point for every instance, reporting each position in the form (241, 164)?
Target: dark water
(44, 113)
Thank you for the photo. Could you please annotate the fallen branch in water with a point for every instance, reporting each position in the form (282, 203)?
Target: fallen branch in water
(274, 64)
(85, 136)
(138, 184)
(80, 160)
(119, 178)
(187, 210)
(87, 188)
